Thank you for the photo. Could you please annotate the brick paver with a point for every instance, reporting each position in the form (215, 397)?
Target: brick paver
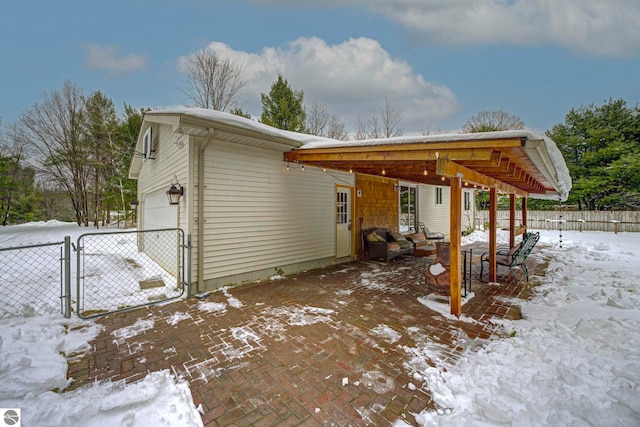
(327, 347)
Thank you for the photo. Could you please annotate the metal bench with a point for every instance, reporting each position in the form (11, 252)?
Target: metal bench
(514, 257)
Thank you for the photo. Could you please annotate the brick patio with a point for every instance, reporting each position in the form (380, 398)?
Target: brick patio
(327, 347)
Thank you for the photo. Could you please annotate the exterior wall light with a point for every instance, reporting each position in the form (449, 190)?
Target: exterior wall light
(133, 204)
(174, 193)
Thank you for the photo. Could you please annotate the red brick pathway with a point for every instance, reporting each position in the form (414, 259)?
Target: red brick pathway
(328, 347)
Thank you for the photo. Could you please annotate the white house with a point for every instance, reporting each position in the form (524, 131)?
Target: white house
(251, 213)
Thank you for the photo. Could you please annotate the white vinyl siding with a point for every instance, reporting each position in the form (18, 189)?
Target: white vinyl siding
(155, 179)
(435, 216)
(260, 216)
(468, 210)
(169, 161)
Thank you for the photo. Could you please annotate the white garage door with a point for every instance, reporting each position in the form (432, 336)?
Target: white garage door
(160, 247)
(158, 213)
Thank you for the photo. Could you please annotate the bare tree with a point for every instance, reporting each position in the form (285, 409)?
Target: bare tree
(321, 123)
(55, 128)
(336, 129)
(12, 153)
(382, 124)
(490, 121)
(213, 82)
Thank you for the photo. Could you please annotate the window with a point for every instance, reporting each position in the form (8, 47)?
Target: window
(408, 208)
(342, 204)
(467, 201)
(147, 144)
(438, 195)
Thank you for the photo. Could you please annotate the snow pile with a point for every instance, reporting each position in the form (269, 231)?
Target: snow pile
(33, 372)
(574, 360)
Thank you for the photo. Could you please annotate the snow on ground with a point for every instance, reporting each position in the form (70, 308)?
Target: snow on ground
(113, 269)
(573, 360)
(33, 367)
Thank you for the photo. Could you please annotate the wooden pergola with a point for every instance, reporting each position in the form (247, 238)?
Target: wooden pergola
(517, 163)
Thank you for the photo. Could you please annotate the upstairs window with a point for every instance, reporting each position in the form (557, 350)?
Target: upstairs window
(147, 144)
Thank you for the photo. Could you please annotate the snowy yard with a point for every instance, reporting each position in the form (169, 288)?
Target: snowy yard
(114, 272)
(573, 360)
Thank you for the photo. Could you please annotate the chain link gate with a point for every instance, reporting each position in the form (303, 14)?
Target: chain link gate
(123, 270)
(36, 279)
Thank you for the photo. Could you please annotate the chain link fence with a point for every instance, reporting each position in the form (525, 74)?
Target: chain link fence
(113, 271)
(35, 279)
(123, 270)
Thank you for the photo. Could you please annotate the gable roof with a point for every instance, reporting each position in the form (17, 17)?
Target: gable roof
(222, 126)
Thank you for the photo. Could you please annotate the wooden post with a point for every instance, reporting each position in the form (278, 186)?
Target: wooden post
(524, 212)
(455, 231)
(512, 220)
(493, 216)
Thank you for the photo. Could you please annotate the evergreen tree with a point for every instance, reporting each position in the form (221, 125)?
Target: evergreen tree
(283, 108)
(128, 130)
(601, 145)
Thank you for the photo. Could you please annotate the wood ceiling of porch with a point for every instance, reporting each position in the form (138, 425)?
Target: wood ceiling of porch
(503, 163)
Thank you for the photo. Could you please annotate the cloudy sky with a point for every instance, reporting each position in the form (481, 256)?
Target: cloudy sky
(437, 61)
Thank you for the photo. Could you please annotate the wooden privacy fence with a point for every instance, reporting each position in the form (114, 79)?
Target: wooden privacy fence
(614, 221)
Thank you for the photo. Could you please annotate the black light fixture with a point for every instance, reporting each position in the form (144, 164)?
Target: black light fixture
(133, 204)
(174, 193)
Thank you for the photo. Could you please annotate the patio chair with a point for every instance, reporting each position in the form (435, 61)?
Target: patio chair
(513, 257)
(430, 235)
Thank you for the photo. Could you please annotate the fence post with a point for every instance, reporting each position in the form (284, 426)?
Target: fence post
(67, 277)
(560, 228)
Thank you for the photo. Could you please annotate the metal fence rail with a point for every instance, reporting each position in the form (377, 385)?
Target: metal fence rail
(35, 279)
(123, 270)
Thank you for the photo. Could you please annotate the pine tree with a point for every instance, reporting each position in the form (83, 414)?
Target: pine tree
(601, 145)
(283, 108)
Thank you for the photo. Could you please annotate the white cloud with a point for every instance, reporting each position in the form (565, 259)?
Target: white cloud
(596, 27)
(105, 58)
(351, 78)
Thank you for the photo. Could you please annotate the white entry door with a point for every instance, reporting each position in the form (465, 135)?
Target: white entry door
(343, 222)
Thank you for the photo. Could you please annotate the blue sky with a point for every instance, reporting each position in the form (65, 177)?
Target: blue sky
(437, 61)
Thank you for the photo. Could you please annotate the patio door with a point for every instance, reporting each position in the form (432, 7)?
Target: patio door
(408, 205)
(343, 222)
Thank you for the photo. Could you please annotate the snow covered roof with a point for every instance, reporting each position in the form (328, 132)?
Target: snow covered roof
(517, 157)
(521, 158)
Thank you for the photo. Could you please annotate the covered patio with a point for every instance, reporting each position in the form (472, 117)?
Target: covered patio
(343, 345)
(518, 163)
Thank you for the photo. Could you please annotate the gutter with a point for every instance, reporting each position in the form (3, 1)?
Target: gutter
(203, 146)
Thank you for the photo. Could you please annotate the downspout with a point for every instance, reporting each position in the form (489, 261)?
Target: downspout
(203, 146)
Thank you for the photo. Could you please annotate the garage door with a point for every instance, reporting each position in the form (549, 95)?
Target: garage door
(160, 247)
(157, 213)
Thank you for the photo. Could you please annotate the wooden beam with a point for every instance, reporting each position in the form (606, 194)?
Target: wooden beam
(496, 157)
(512, 220)
(493, 223)
(455, 232)
(419, 146)
(378, 155)
(449, 169)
